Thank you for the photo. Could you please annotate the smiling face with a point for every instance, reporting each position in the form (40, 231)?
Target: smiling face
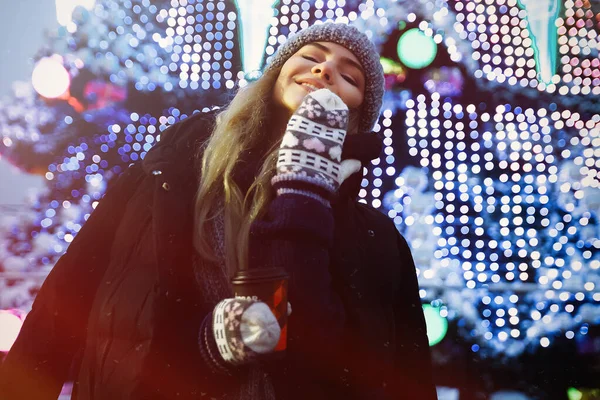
(319, 65)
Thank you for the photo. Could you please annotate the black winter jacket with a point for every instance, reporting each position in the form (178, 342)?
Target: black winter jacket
(121, 310)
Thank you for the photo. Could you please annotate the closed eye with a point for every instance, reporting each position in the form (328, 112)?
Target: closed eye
(310, 58)
(350, 80)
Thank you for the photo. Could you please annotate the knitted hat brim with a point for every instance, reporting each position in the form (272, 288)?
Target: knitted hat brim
(358, 44)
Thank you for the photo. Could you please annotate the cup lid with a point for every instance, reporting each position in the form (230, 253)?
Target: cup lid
(260, 274)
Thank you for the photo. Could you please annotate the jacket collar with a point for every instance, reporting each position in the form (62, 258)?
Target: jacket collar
(180, 148)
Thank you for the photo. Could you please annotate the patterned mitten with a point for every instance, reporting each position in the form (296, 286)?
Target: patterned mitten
(244, 328)
(310, 155)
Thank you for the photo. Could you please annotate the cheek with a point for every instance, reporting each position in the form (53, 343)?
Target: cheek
(353, 98)
(278, 92)
(285, 76)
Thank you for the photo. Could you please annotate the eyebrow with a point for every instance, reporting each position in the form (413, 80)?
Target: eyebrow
(344, 59)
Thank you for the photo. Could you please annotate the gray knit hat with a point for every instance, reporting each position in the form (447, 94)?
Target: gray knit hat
(355, 41)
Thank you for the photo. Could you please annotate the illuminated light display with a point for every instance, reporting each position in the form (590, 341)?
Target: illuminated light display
(509, 395)
(200, 40)
(541, 22)
(64, 9)
(255, 18)
(180, 46)
(415, 49)
(50, 79)
(513, 194)
(437, 326)
(512, 40)
(499, 200)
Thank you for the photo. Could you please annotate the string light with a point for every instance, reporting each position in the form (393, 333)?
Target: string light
(517, 42)
(533, 188)
(500, 205)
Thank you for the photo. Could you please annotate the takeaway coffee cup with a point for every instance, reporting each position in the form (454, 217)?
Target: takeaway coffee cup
(269, 285)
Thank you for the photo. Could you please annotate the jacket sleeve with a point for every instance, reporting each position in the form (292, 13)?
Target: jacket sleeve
(40, 360)
(296, 233)
(413, 370)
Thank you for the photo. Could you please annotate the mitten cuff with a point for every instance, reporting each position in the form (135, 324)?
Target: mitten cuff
(208, 348)
(304, 193)
(298, 183)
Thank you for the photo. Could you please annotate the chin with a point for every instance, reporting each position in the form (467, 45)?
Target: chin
(293, 103)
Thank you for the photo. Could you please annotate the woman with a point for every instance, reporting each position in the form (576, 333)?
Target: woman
(130, 309)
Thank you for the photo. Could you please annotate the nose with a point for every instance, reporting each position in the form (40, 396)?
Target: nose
(323, 71)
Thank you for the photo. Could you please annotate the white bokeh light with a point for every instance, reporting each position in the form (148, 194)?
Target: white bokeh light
(50, 78)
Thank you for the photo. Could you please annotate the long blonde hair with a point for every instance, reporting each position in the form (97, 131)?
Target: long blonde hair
(239, 127)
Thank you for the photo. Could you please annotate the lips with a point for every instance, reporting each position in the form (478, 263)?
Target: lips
(310, 84)
(309, 87)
